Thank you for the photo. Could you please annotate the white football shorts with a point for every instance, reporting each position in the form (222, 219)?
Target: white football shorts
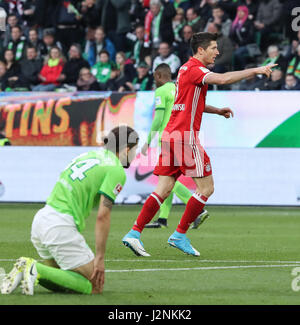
(55, 236)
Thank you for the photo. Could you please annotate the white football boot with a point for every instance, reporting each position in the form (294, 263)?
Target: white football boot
(14, 277)
(29, 277)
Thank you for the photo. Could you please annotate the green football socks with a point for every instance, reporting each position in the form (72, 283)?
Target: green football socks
(62, 280)
(165, 208)
(182, 192)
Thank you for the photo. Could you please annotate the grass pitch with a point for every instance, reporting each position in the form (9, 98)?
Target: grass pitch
(247, 257)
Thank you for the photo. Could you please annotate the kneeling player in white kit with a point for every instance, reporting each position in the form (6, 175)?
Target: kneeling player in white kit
(69, 264)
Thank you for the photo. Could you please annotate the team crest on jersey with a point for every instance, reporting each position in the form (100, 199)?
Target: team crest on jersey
(117, 189)
(208, 168)
(157, 101)
(203, 69)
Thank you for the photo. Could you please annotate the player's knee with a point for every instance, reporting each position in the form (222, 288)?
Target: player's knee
(165, 187)
(207, 190)
(210, 190)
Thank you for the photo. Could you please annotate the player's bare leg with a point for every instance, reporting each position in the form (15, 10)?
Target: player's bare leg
(205, 188)
(150, 208)
(205, 185)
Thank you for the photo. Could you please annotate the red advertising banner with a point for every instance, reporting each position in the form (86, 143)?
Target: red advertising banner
(63, 119)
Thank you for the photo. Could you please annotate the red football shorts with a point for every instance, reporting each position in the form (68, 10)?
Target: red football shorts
(178, 158)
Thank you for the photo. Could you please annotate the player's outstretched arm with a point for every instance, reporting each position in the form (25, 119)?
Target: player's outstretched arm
(236, 76)
(155, 127)
(101, 233)
(226, 111)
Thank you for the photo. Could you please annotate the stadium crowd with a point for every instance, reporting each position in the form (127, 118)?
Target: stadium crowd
(116, 44)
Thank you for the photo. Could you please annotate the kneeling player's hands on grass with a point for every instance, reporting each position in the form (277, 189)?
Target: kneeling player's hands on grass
(98, 275)
(266, 70)
(226, 112)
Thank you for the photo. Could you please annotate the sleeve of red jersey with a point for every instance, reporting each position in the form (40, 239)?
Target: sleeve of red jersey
(198, 75)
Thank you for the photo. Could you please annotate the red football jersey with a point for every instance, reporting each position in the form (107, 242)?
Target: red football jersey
(186, 116)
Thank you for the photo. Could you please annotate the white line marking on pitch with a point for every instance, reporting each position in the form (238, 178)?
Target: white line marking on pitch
(203, 268)
(198, 261)
(178, 261)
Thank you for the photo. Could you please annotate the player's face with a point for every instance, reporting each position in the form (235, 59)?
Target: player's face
(211, 53)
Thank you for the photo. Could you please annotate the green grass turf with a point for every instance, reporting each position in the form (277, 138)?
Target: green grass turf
(233, 236)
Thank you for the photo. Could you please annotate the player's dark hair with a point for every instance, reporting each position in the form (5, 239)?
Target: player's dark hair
(203, 40)
(121, 137)
(163, 68)
(104, 52)
(18, 27)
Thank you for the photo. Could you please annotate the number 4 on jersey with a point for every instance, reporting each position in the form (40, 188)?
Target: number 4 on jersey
(81, 167)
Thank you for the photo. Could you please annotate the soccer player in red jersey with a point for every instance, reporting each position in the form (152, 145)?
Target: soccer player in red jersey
(181, 151)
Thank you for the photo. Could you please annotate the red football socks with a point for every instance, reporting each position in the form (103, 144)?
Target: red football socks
(193, 208)
(151, 206)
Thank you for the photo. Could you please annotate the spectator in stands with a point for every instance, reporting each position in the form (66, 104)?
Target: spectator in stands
(33, 40)
(72, 67)
(12, 21)
(274, 56)
(251, 83)
(138, 11)
(13, 70)
(294, 64)
(178, 23)
(139, 49)
(292, 50)
(49, 41)
(148, 60)
(184, 47)
(126, 67)
(30, 68)
(224, 60)
(29, 14)
(3, 76)
(86, 81)
(144, 80)
(194, 20)
(252, 6)
(165, 55)
(230, 7)
(108, 17)
(122, 8)
(219, 17)
(291, 83)
(267, 20)
(274, 82)
(102, 69)
(46, 13)
(158, 23)
(15, 7)
(17, 43)
(204, 9)
(241, 33)
(115, 81)
(183, 4)
(67, 24)
(90, 14)
(51, 71)
(94, 47)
